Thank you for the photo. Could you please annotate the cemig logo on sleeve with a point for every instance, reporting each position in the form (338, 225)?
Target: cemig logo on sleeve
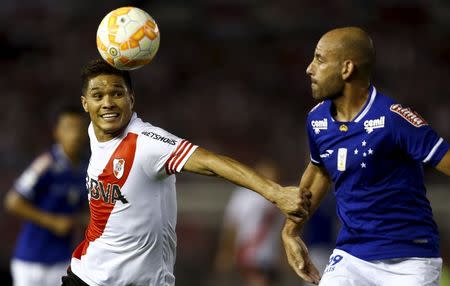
(318, 125)
(370, 125)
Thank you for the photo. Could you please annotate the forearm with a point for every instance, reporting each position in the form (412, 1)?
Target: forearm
(316, 180)
(291, 228)
(22, 208)
(217, 165)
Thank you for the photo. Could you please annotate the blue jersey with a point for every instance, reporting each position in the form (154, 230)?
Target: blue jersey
(376, 164)
(53, 185)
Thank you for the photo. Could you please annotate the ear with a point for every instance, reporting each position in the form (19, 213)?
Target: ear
(348, 69)
(132, 100)
(84, 103)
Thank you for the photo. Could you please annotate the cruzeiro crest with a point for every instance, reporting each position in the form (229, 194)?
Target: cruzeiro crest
(118, 167)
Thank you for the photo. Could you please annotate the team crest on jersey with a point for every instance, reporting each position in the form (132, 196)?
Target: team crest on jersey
(318, 125)
(370, 125)
(118, 167)
(409, 115)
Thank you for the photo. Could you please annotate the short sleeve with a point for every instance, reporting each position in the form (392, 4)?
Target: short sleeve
(165, 152)
(26, 184)
(413, 134)
(313, 149)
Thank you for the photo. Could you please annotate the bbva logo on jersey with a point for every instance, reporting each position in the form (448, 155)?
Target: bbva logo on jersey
(118, 167)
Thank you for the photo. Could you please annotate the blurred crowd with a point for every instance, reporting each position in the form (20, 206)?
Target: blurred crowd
(229, 75)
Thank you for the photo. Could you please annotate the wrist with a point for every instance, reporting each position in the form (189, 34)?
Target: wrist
(291, 228)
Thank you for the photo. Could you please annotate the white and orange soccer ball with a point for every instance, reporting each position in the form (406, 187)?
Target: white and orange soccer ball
(128, 38)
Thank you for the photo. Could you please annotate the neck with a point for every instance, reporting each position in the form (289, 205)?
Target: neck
(351, 102)
(73, 157)
(103, 136)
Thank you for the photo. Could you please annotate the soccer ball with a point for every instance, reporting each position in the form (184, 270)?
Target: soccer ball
(128, 38)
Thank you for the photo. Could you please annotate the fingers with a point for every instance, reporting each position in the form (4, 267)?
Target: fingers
(307, 272)
(306, 196)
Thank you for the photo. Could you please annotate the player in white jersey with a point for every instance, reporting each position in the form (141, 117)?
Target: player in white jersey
(250, 239)
(131, 237)
(373, 150)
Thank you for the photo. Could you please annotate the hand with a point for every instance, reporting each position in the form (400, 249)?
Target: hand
(298, 258)
(59, 224)
(294, 203)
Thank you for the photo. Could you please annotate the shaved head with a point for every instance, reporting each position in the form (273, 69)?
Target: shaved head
(342, 56)
(353, 43)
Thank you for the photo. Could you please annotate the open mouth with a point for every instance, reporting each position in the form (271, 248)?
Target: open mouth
(110, 116)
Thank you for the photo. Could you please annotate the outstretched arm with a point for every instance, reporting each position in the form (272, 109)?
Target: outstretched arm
(444, 164)
(318, 182)
(289, 200)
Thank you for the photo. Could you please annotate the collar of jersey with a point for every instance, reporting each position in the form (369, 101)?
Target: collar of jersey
(119, 137)
(366, 108)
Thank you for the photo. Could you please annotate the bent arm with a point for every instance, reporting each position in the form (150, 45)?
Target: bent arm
(208, 163)
(17, 205)
(318, 182)
(444, 164)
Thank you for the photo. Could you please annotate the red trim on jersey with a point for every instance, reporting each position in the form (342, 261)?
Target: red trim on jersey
(182, 156)
(174, 157)
(99, 209)
(246, 252)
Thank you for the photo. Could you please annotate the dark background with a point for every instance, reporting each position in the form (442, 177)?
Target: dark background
(229, 76)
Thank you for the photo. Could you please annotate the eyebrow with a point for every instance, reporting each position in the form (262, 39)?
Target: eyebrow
(116, 85)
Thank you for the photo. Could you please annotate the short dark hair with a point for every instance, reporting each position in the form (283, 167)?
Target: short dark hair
(64, 109)
(99, 66)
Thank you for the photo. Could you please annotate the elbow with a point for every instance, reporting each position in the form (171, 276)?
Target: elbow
(10, 202)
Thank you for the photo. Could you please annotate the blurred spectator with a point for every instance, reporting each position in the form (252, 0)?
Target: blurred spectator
(250, 240)
(48, 195)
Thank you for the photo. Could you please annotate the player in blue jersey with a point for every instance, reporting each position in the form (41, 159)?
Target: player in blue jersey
(48, 195)
(373, 150)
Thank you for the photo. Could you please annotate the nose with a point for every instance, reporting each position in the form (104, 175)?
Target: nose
(309, 69)
(108, 101)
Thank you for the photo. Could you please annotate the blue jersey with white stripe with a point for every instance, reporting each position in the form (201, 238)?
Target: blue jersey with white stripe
(53, 185)
(376, 163)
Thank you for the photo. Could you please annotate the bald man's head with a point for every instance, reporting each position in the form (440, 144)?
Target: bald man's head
(342, 56)
(353, 43)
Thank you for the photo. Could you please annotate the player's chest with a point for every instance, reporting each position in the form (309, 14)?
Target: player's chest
(354, 147)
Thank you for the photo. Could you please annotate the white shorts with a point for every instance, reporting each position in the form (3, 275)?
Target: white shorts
(344, 269)
(26, 273)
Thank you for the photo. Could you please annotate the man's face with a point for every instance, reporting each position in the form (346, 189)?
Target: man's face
(70, 133)
(109, 103)
(325, 70)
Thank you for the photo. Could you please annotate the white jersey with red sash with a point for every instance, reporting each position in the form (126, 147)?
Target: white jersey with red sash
(131, 236)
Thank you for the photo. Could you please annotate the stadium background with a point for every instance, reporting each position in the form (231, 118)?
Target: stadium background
(229, 76)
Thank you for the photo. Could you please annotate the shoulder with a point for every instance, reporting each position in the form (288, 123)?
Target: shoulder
(152, 134)
(398, 112)
(407, 114)
(318, 108)
(156, 135)
(34, 173)
(42, 163)
(319, 112)
(383, 102)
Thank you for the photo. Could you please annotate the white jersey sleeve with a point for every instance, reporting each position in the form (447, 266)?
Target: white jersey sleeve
(166, 153)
